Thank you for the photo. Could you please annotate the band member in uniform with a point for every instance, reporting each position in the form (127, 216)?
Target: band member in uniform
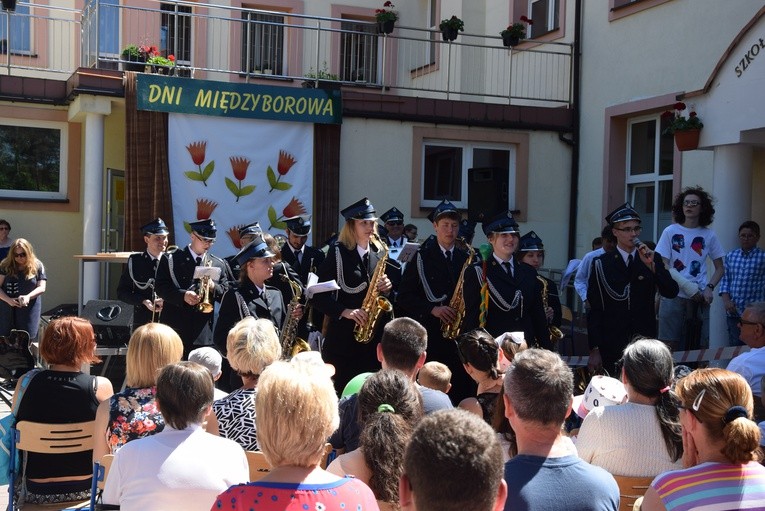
(246, 235)
(393, 221)
(532, 252)
(303, 259)
(426, 291)
(252, 297)
(501, 294)
(622, 290)
(352, 262)
(137, 282)
(181, 291)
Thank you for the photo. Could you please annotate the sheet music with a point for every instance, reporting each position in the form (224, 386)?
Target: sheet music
(209, 271)
(313, 286)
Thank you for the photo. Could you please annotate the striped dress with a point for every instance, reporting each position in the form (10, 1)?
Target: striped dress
(713, 487)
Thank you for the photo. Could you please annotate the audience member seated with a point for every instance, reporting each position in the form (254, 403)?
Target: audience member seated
(479, 354)
(210, 358)
(640, 438)
(546, 474)
(296, 411)
(452, 463)
(59, 395)
(720, 447)
(133, 413)
(510, 344)
(402, 346)
(251, 346)
(751, 365)
(389, 407)
(435, 375)
(183, 467)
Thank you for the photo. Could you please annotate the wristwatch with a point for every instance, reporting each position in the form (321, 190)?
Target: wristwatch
(711, 286)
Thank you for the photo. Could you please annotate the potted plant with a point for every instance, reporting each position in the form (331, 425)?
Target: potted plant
(685, 129)
(132, 54)
(162, 65)
(451, 27)
(386, 18)
(325, 79)
(512, 35)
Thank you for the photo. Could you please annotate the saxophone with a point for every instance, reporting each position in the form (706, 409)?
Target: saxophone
(555, 332)
(452, 330)
(373, 303)
(291, 343)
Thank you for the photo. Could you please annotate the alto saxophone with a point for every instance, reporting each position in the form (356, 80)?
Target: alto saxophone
(291, 343)
(373, 303)
(555, 333)
(452, 330)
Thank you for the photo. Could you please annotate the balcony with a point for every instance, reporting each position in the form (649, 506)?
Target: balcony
(283, 48)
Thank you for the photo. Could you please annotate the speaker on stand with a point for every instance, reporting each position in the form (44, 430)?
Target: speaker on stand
(112, 322)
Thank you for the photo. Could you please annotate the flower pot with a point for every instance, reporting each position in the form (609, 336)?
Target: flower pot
(162, 70)
(137, 64)
(386, 27)
(511, 40)
(687, 140)
(449, 33)
(9, 5)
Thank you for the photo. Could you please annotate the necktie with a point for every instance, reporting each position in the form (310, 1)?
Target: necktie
(508, 268)
(155, 264)
(448, 255)
(298, 253)
(629, 260)
(199, 261)
(365, 260)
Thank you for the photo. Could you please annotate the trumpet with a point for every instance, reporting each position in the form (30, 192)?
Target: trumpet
(205, 295)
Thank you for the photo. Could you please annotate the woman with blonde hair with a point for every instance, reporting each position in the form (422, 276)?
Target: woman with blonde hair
(133, 413)
(22, 282)
(351, 262)
(252, 345)
(720, 447)
(296, 412)
(62, 394)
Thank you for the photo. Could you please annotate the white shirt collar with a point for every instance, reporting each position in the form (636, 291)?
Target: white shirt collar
(626, 254)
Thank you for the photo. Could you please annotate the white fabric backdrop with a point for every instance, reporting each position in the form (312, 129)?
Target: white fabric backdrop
(283, 146)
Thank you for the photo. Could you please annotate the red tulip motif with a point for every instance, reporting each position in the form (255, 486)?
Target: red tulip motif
(197, 152)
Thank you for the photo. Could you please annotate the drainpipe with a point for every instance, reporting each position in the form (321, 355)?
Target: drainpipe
(573, 207)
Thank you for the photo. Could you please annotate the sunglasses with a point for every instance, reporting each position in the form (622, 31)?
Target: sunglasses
(742, 322)
(394, 222)
(19, 254)
(691, 203)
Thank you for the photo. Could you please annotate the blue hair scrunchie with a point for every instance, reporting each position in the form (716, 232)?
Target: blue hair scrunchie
(735, 412)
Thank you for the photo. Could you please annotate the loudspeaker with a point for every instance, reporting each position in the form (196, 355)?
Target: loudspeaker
(487, 192)
(112, 321)
(65, 309)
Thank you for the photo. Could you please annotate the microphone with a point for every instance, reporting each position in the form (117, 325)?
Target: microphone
(642, 247)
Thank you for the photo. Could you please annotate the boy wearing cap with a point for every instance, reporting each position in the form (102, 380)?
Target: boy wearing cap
(180, 290)
(136, 286)
(621, 291)
(212, 360)
(426, 290)
(508, 291)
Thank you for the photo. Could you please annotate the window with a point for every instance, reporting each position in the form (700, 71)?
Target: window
(358, 52)
(20, 32)
(445, 167)
(544, 13)
(32, 160)
(263, 43)
(175, 32)
(433, 23)
(650, 173)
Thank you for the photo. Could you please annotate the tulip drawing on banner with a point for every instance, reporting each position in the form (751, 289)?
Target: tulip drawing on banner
(286, 161)
(197, 152)
(239, 165)
(294, 208)
(205, 208)
(233, 233)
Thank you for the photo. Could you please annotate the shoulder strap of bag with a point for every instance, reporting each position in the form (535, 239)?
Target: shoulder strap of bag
(24, 384)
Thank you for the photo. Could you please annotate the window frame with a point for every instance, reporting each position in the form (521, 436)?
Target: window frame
(22, 16)
(177, 16)
(553, 7)
(468, 148)
(63, 177)
(634, 182)
(280, 57)
(370, 36)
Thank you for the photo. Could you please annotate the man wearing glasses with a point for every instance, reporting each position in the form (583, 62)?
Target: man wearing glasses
(181, 291)
(621, 291)
(685, 247)
(744, 279)
(751, 365)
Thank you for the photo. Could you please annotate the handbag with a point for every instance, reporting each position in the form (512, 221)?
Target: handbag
(6, 433)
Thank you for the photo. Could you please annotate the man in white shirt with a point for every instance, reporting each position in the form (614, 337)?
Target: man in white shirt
(751, 365)
(608, 242)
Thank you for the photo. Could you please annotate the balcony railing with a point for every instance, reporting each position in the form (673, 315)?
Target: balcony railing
(247, 45)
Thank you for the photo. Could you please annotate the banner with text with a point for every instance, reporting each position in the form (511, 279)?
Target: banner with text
(238, 171)
(224, 99)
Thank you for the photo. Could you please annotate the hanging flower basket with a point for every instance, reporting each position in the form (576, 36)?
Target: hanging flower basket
(687, 140)
(386, 27)
(510, 41)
